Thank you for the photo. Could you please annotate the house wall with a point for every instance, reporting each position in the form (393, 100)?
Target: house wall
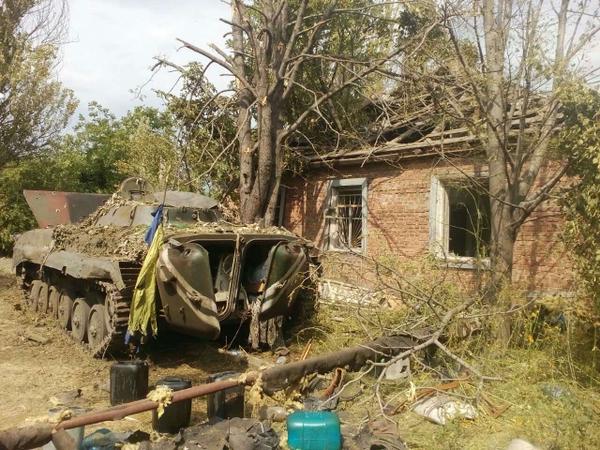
(398, 220)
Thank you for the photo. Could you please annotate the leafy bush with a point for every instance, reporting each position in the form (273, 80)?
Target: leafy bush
(52, 170)
(100, 152)
(579, 142)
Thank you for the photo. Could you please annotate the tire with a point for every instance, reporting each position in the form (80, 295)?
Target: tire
(32, 299)
(96, 327)
(53, 300)
(79, 319)
(65, 307)
(42, 300)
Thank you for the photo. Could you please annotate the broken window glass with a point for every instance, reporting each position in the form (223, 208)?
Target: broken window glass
(460, 218)
(469, 220)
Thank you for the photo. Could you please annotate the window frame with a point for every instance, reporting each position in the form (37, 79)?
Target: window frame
(279, 213)
(331, 237)
(439, 226)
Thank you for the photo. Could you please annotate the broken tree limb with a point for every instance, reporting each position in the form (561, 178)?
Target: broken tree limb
(353, 358)
(273, 379)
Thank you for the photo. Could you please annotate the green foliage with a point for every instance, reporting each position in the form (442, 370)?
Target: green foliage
(150, 149)
(97, 144)
(34, 106)
(208, 161)
(100, 152)
(579, 142)
(346, 46)
(55, 170)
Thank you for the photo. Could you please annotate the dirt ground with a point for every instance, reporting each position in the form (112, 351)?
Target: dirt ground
(32, 373)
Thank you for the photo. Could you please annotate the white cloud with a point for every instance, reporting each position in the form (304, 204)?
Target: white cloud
(113, 43)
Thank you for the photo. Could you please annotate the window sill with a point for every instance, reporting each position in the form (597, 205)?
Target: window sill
(463, 262)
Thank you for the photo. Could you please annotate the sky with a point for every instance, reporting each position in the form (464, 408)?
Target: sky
(112, 44)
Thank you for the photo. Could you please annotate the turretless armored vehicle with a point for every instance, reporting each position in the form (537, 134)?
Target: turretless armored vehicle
(81, 266)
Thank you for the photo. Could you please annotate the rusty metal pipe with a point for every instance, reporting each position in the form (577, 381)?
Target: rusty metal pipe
(274, 378)
(127, 409)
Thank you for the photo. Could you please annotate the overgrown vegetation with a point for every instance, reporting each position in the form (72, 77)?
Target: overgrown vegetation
(579, 142)
(95, 157)
(34, 106)
(317, 86)
(543, 387)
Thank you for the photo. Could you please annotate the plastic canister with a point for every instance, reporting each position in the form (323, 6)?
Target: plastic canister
(128, 381)
(177, 415)
(228, 403)
(314, 430)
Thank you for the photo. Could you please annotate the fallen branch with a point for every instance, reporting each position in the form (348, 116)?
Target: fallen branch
(353, 358)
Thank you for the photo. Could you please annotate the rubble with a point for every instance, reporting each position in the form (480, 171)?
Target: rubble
(36, 337)
(377, 434)
(398, 370)
(232, 434)
(65, 398)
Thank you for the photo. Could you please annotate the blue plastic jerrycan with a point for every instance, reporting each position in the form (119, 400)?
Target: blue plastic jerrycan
(314, 430)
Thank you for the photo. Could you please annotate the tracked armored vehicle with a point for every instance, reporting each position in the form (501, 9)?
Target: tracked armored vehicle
(81, 266)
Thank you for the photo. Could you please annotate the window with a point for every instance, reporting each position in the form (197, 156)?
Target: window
(346, 215)
(459, 219)
(279, 212)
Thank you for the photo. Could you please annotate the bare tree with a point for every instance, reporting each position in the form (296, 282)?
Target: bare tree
(272, 42)
(528, 50)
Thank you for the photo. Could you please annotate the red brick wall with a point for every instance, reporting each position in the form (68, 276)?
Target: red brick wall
(398, 217)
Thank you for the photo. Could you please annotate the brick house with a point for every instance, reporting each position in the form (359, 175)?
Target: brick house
(418, 198)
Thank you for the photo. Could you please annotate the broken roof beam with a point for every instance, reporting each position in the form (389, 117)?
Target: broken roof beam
(395, 148)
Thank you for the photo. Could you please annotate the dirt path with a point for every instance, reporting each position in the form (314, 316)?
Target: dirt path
(32, 373)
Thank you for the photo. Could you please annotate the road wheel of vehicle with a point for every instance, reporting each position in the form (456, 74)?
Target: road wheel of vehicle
(110, 312)
(42, 300)
(53, 299)
(32, 298)
(96, 330)
(65, 307)
(79, 319)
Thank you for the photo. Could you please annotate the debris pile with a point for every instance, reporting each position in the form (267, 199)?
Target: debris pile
(104, 241)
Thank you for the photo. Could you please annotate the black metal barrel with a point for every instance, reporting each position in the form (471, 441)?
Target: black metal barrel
(177, 415)
(128, 381)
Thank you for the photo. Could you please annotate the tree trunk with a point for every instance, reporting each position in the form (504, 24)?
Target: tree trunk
(260, 160)
(502, 233)
(503, 240)
(268, 126)
(244, 135)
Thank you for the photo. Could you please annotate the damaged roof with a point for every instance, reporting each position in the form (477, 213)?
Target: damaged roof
(442, 127)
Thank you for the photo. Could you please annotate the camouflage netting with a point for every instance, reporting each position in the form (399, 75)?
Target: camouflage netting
(128, 242)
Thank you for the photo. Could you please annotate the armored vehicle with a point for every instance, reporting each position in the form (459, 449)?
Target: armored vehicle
(209, 272)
